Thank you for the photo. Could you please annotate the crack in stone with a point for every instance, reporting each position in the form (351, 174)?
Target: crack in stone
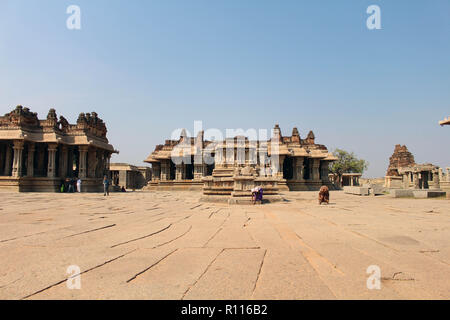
(395, 279)
(8, 284)
(214, 212)
(203, 273)
(140, 238)
(93, 230)
(27, 236)
(34, 234)
(259, 271)
(146, 269)
(180, 236)
(75, 275)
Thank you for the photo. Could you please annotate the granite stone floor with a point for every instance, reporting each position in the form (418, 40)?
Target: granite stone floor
(168, 245)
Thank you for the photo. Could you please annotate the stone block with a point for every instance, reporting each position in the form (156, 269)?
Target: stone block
(401, 193)
(423, 194)
(360, 191)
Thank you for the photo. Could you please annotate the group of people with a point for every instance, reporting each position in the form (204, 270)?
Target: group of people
(71, 185)
(324, 195)
(74, 185)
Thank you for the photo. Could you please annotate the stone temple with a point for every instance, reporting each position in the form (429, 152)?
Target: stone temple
(38, 155)
(279, 163)
(404, 173)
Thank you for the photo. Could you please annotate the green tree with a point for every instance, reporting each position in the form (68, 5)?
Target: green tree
(347, 163)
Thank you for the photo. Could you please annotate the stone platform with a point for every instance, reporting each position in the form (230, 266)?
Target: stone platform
(420, 194)
(234, 185)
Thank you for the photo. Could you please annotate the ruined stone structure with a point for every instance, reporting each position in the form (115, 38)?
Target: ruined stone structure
(404, 173)
(347, 179)
(400, 158)
(37, 155)
(286, 162)
(129, 176)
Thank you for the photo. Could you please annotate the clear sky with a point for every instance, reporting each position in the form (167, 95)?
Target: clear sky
(150, 67)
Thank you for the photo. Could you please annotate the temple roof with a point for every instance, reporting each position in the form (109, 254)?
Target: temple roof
(22, 124)
(286, 146)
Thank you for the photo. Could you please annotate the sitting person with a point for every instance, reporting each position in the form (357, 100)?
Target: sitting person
(123, 189)
(324, 195)
(257, 194)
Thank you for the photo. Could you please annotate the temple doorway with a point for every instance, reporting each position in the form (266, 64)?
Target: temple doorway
(288, 169)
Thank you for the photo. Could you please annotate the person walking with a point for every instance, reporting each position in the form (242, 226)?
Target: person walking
(105, 186)
(78, 185)
(71, 187)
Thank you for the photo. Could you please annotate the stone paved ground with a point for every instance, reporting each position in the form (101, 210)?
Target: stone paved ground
(165, 245)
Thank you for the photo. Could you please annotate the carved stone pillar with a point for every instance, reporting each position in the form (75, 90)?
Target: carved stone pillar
(51, 168)
(30, 160)
(199, 171)
(82, 164)
(17, 160)
(107, 163)
(156, 171)
(179, 172)
(92, 163)
(7, 167)
(298, 169)
(219, 157)
(101, 165)
(164, 170)
(280, 166)
(315, 174)
(416, 180)
(436, 184)
(324, 167)
(63, 160)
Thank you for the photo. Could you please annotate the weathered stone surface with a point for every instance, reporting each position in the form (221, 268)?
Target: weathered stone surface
(168, 245)
(419, 194)
(400, 158)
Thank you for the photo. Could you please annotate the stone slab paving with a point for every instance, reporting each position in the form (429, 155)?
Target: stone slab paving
(168, 245)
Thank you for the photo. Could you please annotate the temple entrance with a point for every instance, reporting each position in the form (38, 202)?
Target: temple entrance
(23, 170)
(190, 170)
(172, 170)
(288, 169)
(306, 169)
(424, 180)
(41, 160)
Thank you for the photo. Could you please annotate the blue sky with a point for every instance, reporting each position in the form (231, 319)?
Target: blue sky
(150, 67)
